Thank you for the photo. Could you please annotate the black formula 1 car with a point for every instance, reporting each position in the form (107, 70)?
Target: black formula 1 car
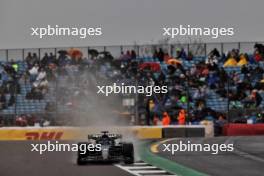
(105, 147)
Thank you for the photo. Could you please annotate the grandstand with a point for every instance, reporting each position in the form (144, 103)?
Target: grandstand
(122, 67)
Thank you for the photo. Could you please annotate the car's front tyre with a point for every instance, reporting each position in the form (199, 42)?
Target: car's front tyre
(128, 152)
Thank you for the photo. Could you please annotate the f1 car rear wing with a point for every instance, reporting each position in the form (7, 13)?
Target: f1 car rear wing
(96, 136)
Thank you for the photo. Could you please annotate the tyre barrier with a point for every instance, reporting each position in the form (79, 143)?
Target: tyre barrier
(183, 131)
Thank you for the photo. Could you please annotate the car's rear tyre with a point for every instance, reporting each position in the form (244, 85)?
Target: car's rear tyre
(80, 162)
(80, 157)
(128, 152)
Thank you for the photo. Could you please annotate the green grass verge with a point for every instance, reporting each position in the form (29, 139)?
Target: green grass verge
(166, 164)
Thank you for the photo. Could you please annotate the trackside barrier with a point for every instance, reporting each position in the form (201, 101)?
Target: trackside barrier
(34, 133)
(243, 129)
(72, 133)
(183, 131)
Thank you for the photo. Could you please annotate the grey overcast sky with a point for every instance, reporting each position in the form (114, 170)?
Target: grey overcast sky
(126, 21)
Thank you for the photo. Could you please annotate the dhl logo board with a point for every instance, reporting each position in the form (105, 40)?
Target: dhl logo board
(69, 133)
(37, 134)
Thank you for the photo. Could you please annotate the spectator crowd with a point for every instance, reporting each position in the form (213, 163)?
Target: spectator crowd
(233, 76)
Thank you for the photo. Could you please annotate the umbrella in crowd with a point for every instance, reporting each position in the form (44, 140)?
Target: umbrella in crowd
(75, 53)
(153, 66)
(107, 55)
(63, 52)
(174, 61)
(167, 57)
(93, 52)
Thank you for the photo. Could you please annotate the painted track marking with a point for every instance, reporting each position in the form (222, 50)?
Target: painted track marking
(141, 168)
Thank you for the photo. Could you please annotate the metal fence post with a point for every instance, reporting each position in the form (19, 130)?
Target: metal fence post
(205, 50)
(39, 54)
(55, 50)
(23, 54)
(228, 102)
(171, 50)
(122, 49)
(7, 55)
(188, 100)
(222, 48)
(56, 97)
(87, 52)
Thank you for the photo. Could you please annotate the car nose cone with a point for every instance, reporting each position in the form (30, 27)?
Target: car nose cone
(105, 152)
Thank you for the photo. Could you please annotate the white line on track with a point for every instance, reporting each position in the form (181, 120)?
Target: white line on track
(143, 169)
(140, 164)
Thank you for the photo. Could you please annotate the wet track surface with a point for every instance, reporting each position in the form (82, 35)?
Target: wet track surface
(246, 160)
(18, 160)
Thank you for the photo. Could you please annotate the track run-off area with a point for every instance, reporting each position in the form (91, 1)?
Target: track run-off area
(17, 159)
(246, 159)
